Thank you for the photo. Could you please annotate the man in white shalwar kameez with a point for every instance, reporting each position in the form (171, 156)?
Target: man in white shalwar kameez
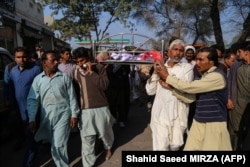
(169, 113)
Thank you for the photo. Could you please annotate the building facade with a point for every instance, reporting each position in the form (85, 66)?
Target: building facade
(22, 23)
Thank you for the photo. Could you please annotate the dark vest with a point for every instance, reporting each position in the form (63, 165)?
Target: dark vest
(211, 106)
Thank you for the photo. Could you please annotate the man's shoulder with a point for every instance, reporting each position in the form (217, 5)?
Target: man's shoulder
(241, 70)
(63, 77)
(14, 69)
(98, 68)
(61, 74)
(32, 65)
(61, 65)
(236, 64)
(35, 66)
(186, 65)
(40, 75)
(216, 73)
(36, 69)
(220, 70)
(11, 65)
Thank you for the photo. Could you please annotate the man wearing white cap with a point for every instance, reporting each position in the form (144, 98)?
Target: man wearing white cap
(189, 54)
(169, 113)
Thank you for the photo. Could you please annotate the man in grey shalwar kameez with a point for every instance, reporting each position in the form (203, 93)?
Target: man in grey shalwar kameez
(54, 92)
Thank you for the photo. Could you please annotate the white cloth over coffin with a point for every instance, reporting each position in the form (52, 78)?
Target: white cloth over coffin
(125, 56)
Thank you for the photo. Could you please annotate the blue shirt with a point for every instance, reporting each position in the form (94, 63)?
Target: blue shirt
(22, 81)
(56, 95)
(58, 102)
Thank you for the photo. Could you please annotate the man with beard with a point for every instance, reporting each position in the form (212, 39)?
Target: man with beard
(209, 128)
(169, 113)
(189, 55)
(54, 91)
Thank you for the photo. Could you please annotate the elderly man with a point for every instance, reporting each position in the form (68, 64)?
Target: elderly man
(54, 91)
(209, 127)
(169, 114)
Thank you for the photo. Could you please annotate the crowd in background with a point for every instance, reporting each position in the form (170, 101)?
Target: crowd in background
(202, 93)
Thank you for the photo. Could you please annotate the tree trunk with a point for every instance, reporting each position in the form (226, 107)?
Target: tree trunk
(195, 39)
(246, 29)
(215, 16)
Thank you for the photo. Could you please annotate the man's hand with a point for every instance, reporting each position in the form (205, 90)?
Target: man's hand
(73, 122)
(230, 104)
(165, 85)
(160, 69)
(89, 65)
(32, 127)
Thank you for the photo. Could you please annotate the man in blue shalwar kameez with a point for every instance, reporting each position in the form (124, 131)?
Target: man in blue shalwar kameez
(22, 76)
(54, 91)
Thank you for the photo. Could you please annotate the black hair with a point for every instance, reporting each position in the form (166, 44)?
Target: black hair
(34, 55)
(234, 47)
(212, 56)
(218, 47)
(21, 49)
(65, 49)
(243, 45)
(81, 52)
(228, 53)
(247, 48)
(44, 56)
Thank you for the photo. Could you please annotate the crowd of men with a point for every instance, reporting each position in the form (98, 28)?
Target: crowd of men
(51, 99)
(203, 93)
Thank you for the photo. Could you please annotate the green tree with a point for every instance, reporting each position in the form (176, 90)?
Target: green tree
(196, 20)
(197, 24)
(81, 17)
(242, 9)
(188, 19)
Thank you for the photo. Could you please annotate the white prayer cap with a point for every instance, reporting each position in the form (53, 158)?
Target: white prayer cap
(190, 47)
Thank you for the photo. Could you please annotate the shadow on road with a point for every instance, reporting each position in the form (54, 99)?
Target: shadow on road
(138, 121)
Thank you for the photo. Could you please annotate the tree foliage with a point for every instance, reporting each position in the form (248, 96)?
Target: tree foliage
(192, 20)
(182, 18)
(195, 20)
(80, 17)
(242, 17)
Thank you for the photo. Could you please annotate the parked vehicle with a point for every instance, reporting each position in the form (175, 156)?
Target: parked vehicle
(5, 58)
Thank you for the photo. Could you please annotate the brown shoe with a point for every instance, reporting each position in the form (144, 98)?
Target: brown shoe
(108, 154)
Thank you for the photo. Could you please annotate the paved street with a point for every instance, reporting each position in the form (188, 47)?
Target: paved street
(135, 136)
